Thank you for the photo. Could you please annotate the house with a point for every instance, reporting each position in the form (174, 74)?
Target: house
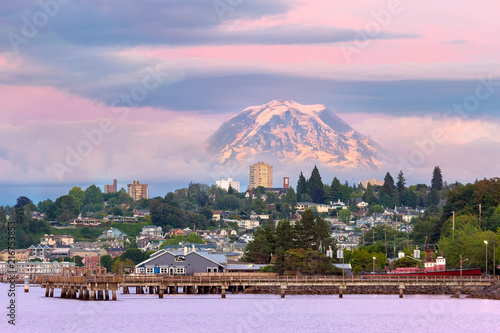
(362, 205)
(52, 240)
(114, 251)
(182, 263)
(141, 212)
(247, 238)
(248, 224)
(88, 221)
(112, 233)
(18, 255)
(151, 230)
(176, 232)
(259, 217)
(39, 251)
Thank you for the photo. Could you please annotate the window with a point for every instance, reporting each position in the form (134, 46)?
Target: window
(149, 270)
(209, 269)
(164, 270)
(140, 270)
(215, 270)
(180, 270)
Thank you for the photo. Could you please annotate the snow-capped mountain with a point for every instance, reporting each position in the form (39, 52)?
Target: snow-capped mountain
(293, 133)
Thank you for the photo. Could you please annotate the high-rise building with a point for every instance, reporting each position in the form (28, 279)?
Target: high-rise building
(226, 183)
(138, 191)
(261, 174)
(111, 188)
(286, 182)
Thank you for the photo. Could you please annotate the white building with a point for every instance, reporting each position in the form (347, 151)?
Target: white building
(224, 184)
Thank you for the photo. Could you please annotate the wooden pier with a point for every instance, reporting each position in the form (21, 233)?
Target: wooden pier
(98, 287)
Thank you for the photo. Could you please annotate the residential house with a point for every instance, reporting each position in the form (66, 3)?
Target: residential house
(176, 232)
(39, 251)
(112, 233)
(182, 263)
(152, 230)
(362, 205)
(248, 224)
(114, 251)
(52, 240)
(17, 255)
(141, 212)
(86, 221)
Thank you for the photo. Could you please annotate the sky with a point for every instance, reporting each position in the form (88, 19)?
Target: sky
(91, 91)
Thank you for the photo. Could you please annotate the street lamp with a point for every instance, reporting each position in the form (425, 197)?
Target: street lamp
(461, 261)
(486, 260)
(494, 273)
(374, 265)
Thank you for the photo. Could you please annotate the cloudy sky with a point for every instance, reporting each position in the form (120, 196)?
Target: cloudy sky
(127, 89)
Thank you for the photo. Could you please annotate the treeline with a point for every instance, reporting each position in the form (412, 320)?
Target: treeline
(390, 194)
(295, 248)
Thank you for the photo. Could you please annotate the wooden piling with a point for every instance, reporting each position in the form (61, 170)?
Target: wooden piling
(106, 295)
(283, 292)
(63, 292)
(92, 295)
(47, 291)
(223, 292)
(114, 295)
(160, 293)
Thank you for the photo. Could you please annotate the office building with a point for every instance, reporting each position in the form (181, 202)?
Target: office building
(261, 174)
(138, 191)
(224, 184)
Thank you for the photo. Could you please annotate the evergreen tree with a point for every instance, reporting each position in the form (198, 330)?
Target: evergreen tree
(305, 230)
(301, 187)
(290, 198)
(285, 235)
(368, 196)
(315, 187)
(335, 190)
(401, 188)
(437, 179)
(388, 187)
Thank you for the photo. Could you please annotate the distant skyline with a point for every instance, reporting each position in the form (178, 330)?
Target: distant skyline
(137, 88)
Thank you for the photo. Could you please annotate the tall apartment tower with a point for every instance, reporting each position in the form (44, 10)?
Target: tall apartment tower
(286, 182)
(111, 188)
(138, 191)
(261, 174)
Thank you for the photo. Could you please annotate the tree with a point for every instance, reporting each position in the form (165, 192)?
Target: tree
(301, 187)
(301, 261)
(290, 198)
(78, 261)
(368, 196)
(305, 230)
(93, 200)
(437, 179)
(400, 186)
(388, 187)
(79, 194)
(345, 215)
(194, 238)
(335, 190)
(107, 262)
(67, 208)
(260, 249)
(315, 187)
(285, 235)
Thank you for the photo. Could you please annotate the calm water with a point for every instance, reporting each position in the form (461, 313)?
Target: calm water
(249, 313)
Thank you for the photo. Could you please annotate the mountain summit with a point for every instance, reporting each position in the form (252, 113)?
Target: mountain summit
(291, 132)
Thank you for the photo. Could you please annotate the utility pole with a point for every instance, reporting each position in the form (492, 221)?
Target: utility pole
(373, 232)
(453, 226)
(480, 217)
(385, 238)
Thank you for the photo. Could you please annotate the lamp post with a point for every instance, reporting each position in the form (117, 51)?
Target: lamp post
(486, 260)
(461, 261)
(494, 273)
(374, 265)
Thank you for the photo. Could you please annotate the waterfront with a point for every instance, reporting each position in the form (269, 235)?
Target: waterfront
(250, 313)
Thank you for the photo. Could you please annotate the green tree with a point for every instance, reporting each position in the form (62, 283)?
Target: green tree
(107, 262)
(368, 196)
(335, 192)
(345, 215)
(194, 238)
(315, 187)
(301, 188)
(79, 194)
(78, 261)
(388, 187)
(258, 205)
(305, 230)
(93, 200)
(290, 198)
(260, 249)
(67, 208)
(400, 186)
(285, 235)
(437, 179)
